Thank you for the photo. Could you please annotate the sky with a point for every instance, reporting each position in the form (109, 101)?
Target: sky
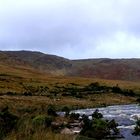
(75, 29)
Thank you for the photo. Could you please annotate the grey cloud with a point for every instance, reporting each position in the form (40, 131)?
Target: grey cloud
(73, 29)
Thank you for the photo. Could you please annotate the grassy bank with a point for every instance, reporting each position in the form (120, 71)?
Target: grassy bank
(28, 97)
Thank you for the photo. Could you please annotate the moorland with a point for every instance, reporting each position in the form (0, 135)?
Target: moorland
(33, 82)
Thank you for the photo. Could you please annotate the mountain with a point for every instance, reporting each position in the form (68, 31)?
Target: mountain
(40, 63)
(115, 69)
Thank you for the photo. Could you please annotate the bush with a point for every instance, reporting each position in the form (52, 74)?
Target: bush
(66, 110)
(116, 89)
(94, 86)
(98, 128)
(97, 115)
(27, 94)
(137, 129)
(74, 116)
(48, 120)
(138, 100)
(113, 125)
(51, 110)
(10, 93)
(42, 120)
(8, 121)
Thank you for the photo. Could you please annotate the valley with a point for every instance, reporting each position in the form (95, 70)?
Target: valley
(31, 82)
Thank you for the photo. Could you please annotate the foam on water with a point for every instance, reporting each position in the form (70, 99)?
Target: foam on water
(125, 116)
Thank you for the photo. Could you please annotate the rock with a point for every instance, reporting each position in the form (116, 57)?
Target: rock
(74, 125)
(76, 130)
(56, 125)
(67, 131)
(135, 116)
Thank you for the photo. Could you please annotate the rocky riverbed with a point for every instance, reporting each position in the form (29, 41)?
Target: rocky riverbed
(125, 116)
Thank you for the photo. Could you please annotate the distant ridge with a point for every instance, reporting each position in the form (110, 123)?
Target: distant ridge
(104, 68)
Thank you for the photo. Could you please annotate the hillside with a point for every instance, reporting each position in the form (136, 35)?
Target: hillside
(114, 69)
(36, 60)
(32, 83)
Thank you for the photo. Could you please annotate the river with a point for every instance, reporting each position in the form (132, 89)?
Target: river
(125, 116)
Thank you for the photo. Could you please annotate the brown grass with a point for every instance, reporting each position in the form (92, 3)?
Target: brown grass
(37, 104)
(42, 135)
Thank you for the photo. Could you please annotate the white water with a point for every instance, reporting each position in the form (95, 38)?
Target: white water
(125, 116)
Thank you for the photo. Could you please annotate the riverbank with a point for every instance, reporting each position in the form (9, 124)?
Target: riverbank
(36, 104)
(33, 105)
(28, 107)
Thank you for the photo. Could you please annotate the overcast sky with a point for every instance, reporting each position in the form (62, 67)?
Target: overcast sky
(72, 28)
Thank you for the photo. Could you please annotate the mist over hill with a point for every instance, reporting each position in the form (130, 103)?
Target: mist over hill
(104, 68)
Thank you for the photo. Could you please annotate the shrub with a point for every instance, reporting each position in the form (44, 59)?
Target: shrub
(74, 116)
(116, 89)
(51, 110)
(66, 110)
(48, 120)
(98, 128)
(137, 128)
(97, 115)
(8, 121)
(94, 86)
(27, 94)
(138, 100)
(11, 93)
(127, 92)
(42, 120)
(113, 125)
(87, 124)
